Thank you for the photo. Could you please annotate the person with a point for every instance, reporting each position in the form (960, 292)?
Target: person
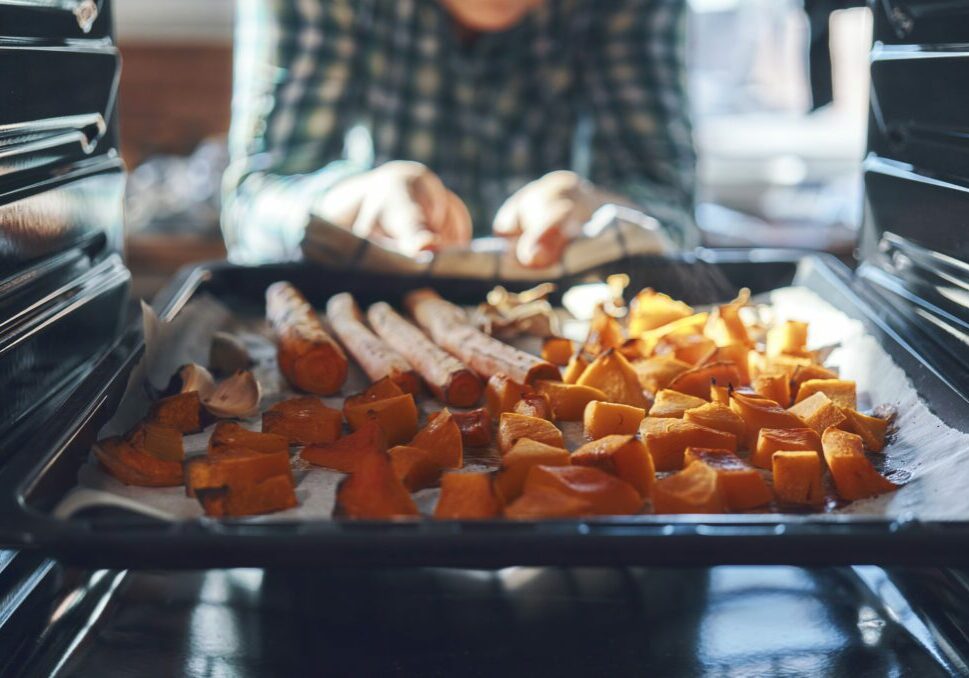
(421, 123)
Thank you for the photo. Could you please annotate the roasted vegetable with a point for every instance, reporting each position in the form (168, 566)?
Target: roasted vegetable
(612, 374)
(467, 496)
(135, 466)
(228, 435)
(772, 440)
(557, 350)
(441, 437)
(534, 405)
(344, 454)
(741, 487)
(695, 489)
(797, 477)
(601, 419)
(666, 440)
(818, 412)
(303, 421)
(373, 492)
(516, 463)
(669, 403)
(854, 476)
(502, 394)
(568, 400)
(623, 456)
(513, 427)
(605, 494)
(182, 411)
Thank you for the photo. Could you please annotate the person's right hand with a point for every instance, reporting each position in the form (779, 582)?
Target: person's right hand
(400, 203)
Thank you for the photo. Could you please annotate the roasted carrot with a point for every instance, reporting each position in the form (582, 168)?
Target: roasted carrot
(448, 326)
(372, 353)
(447, 377)
(308, 357)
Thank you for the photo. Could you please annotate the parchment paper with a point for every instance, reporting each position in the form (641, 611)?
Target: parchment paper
(927, 456)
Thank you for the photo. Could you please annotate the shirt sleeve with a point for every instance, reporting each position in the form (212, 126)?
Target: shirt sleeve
(292, 105)
(642, 144)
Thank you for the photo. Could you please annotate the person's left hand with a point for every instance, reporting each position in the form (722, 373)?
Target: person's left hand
(546, 215)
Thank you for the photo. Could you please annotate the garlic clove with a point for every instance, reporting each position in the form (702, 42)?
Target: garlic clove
(237, 396)
(190, 377)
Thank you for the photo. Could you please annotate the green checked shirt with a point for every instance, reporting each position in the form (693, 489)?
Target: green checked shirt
(325, 89)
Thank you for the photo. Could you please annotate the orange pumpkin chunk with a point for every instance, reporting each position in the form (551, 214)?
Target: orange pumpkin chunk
(759, 413)
(602, 419)
(741, 486)
(182, 411)
(818, 412)
(718, 417)
(778, 364)
(776, 387)
(534, 405)
(720, 394)
(475, 426)
(650, 309)
(788, 337)
(557, 350)
(732, 353)
(690, 348)
(623, 456)
(797, 477)
(544, 503)
(303, 421)
(612, 374)
(414, 466)
(275, 493)
(134, 466)
(695, 489)
(771, 440)
(872, 430)
(344, 454)
(467, 496)
(854, 476)
(520, 458)
(674, 404)
(806, 372)
(666, 440)
(697, 382)
(501, 394)
(234, 469)
(574, 369)
(228, 434)
(606, 494)
(373, 491)
(442, 439)
(160, 441)
(568, 400)
(513, 427)
(657, 372)
(842, 392)
(605, 333)
(727, 326)
(397, 416)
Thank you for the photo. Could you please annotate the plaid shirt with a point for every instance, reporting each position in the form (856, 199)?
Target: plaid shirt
(325, 89)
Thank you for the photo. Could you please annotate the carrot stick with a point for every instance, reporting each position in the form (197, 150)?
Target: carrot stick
(376, 358)
(308, 357)
(447, 377)
(450, 329)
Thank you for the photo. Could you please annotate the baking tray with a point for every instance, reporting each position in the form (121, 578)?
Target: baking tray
(46, 467)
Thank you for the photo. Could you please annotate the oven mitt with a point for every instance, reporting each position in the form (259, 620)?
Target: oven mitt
(612, 233)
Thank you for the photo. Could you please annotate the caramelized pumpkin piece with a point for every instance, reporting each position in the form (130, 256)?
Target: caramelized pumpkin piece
(606, 494)
(771, 440)
(397, 416)
(656, 373)
(574, 369)
(690, 348)
(873, 430)
(797, 477)
(854, 476)
(415, 467)
(228, 434)
(720, 394)
(373, 491)
(697, 382)
(275, 493)
(513, 427)
(759, 413)
(442, 439)
(612, 374)
(557, 350)
(234, 469)
(467, 496)
(134, 466)
(789, 337)
(732, 353)
(786, 364)
(804, 373)
(602, 419)
(727, 327)
(303, 421)
(520, 458)
(182, 411)
(534, 405)
(378, 390)
(544, 503)
(741, 486)
(501, 394)
(818, 412)
(691, 325)
(776, 387)
(718, 417)
(650, 309)
(605, 333)
(842, 392)
(623, 456)
(695, 489)
(344, 454)
(475, 427)
(666, 440)
(674, 404)
(159, 441)
(568, 400)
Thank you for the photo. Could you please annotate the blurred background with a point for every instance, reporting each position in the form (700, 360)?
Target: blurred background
(779, 94)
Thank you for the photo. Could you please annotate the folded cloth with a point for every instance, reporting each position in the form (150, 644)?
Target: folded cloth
(612, 233)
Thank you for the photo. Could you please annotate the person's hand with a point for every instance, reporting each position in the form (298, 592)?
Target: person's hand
(400, 203)
(546, 215)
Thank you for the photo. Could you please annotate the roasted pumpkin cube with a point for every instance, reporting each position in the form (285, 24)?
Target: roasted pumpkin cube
(415, 467)
(690, 348)
(759, 413)
(373, 491)
(741, 486)
(344, 454)
(807, 372)
(697, 382)
(612, 374)
(666, 440)
(797, 477)
(602, 419)
(873, 430)
(275, 493)
(574, 369)
(182, 411)
(726, 326)
(606, 494)
(159, 441)
(442, 438)
(854, 476)
(228, 434)
(818, 412)
(605, 333)
(467, 496)
(786, 364)
(842, 392)
(691, 325)
(557, 350)
(134, 466)
(475, 426)
(568, 400)
(732, 353)
(303, 421)
(776, 387)
(669, 403)
(397, 416)
(234, 468)
(771, 440)
(380, 390)
(657, 372)
(788, 337)
(501, 394)
(718, 417)
(720, 394)
(534, 405)
(513, 427)
(695, 489)
(544, 503)
(650, 309)
(520, 458)
(623, 456)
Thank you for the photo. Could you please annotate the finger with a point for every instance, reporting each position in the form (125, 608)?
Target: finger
(457, 227)
(429, 192)
(507, 223)
(402, 220)
(543, 242)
